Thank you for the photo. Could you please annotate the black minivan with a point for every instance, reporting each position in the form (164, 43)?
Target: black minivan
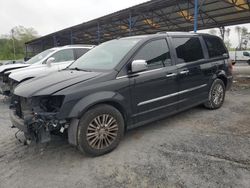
(122, 84)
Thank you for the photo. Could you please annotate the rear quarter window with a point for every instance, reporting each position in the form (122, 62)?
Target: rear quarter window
(188, 49)
(215, 46)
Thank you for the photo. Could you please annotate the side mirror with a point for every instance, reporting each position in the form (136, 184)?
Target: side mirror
(138, 66)
(246, 54)
(50, 60)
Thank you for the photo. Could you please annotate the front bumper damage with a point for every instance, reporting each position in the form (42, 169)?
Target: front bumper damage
(4, 84)
(5, 89)
(36, 126)
(1, 84)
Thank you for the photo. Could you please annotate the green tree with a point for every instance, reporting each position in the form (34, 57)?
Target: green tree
(238, 31)
(244, 31)
(241, 32)
(19, 35)
(6, 49)
(227, 39)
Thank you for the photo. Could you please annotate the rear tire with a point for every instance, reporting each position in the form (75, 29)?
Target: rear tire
(216, 95)
(100, 130)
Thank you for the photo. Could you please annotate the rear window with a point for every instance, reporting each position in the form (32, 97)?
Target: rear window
(188, 49)
(215, 46)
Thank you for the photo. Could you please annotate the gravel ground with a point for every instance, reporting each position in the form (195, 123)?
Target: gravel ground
(242, 70)
(195, 148)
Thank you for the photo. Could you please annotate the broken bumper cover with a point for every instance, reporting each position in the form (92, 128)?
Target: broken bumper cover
(5, 88)
(1, 83)
(36, 127)
(18, 122)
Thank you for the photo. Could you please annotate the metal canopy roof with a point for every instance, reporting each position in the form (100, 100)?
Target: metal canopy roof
(146, 18)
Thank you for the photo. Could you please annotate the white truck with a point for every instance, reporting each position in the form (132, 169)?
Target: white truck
(240, 56)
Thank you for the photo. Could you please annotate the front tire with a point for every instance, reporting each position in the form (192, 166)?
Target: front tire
(100, 130)
(216, 95)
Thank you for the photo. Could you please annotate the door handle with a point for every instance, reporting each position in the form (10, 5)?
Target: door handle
(184, 72)
(171, 75)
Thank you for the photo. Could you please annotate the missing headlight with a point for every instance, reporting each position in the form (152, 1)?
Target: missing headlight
(51, 103)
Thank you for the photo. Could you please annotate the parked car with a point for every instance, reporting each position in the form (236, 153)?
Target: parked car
(58, 58)
(247, 54)
(122, 84)
(8, 62)
(241, 55)
(7, 67)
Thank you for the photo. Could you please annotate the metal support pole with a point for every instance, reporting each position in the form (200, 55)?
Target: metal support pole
(196, 2)
(71, 37)
(98, 32)
(222, 32)
(130, 23)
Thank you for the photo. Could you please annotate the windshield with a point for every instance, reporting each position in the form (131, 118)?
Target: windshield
(105, 56)
(39, 57)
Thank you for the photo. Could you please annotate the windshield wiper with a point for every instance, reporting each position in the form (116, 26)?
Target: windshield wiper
(77, 69)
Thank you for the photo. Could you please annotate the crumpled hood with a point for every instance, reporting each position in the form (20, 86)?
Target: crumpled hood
(12, 66)
(33, 72)
(52, 83)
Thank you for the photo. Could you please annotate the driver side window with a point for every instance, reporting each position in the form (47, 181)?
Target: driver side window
(156, 53)
(63, 55)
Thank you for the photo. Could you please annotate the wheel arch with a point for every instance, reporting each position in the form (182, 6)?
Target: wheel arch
(222, 75)
(111, 98)
(112, 103)
(85, 104)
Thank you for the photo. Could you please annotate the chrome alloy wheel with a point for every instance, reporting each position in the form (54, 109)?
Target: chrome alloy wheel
(217, 94)
(102, 131)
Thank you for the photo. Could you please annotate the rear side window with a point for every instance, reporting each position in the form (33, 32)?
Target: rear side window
(80, 52)
(188, 49)
(215, 46)
(156, 53)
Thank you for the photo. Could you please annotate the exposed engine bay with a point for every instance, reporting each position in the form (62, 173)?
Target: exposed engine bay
(39, 115)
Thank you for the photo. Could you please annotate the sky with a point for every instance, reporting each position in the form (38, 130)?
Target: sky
(47, 16)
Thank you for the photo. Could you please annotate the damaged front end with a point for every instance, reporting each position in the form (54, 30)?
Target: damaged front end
(4, 84)
(12, 85)
(37, 116)
(1, 82)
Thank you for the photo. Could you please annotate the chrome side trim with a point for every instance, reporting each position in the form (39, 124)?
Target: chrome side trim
(170, 95)
(159, 108)
(171, 75)
(184, 72)
(121, 77)
(139, 73)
